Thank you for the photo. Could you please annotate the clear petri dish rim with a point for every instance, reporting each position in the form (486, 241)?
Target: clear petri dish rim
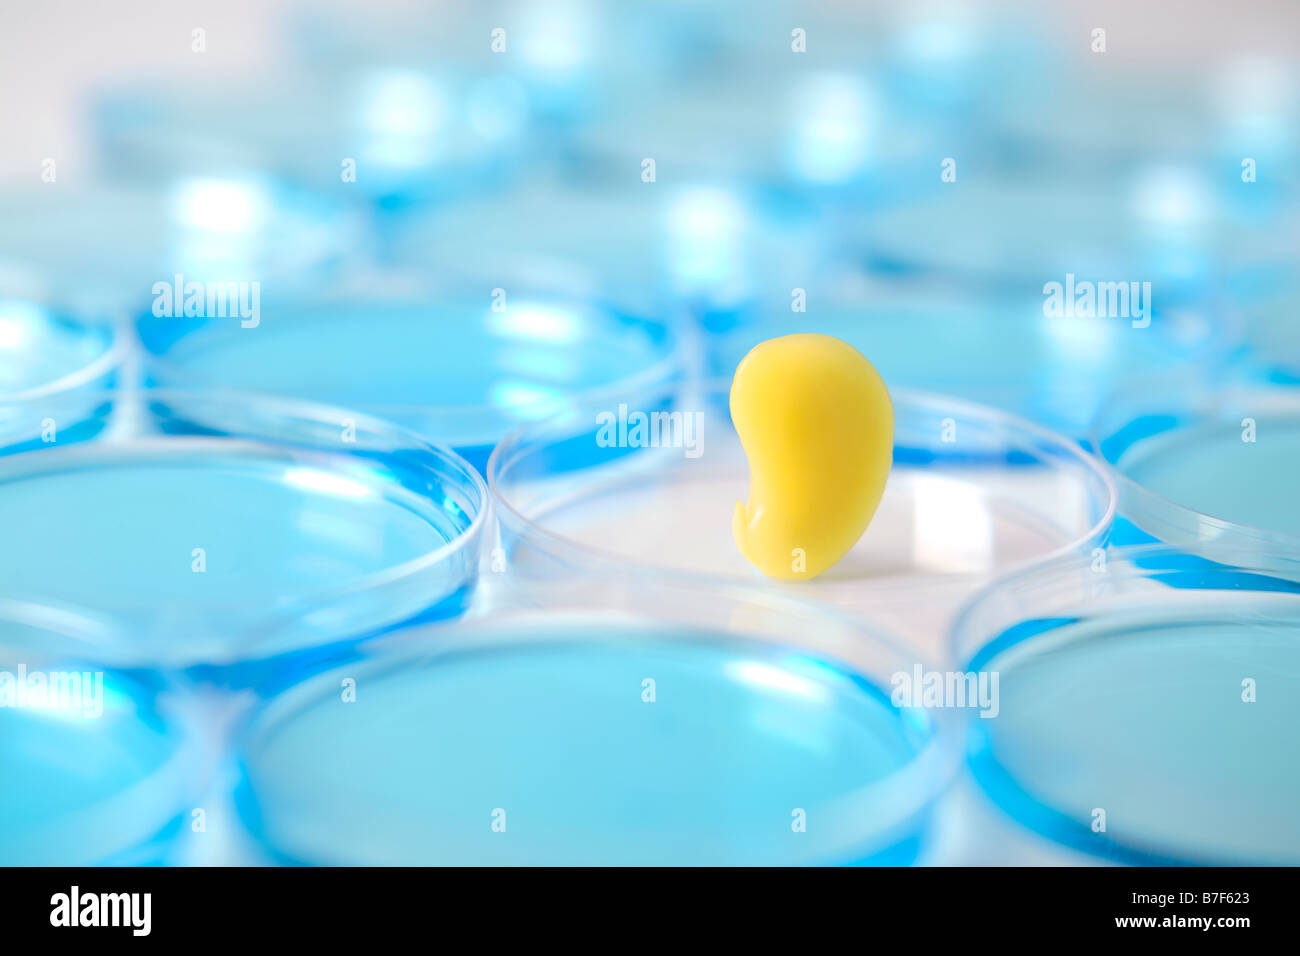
(275, 421)
(120, 347)
(1195, 528)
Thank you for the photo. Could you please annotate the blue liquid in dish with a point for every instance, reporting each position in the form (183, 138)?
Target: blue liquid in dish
(91, 776)
(458, 372)
(223, 552)
(549, 725)
(1207, 467)
(1141, 713)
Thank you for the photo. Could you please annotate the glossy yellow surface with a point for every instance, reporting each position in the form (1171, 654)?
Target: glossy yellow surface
(817, 425)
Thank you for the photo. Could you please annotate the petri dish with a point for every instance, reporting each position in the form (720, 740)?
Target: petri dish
(1146, 705)
(243, 553)
(95, 766)
(51, 350)
(1268, 298)
(972, 491)
(462, 364)
(45, 349)
(114, 249)
(398, 135)
(1202, 467)
(647, 724)
(995, 347)
(1160, 223)
(697, 245)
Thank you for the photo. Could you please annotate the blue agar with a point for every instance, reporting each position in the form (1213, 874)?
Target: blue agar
(547, 729)
(218, 551)
(458, 371)
(1142, 713)
(92, 772)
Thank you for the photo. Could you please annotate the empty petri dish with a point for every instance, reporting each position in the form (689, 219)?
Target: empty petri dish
(647, 724)
(1205, 468)
(95, 768)
(972, 491)
(460, 365)
(252, 549)
(1001, 348)
(1146, 704)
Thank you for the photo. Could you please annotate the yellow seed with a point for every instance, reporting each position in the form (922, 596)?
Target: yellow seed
(817, 426)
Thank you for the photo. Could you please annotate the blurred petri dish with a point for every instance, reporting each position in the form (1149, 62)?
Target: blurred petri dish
(699, 246)
(999, 348)
(972, 492)
(1086, 124)
(48, 351)
(95, 769)
(1205, 468)
(1159, 223)
(399, 135)
(115, 249)
(1146, 705)
(247, 551)
(646, 724)
(1268, 298)
(462, 365)
(45, 350)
